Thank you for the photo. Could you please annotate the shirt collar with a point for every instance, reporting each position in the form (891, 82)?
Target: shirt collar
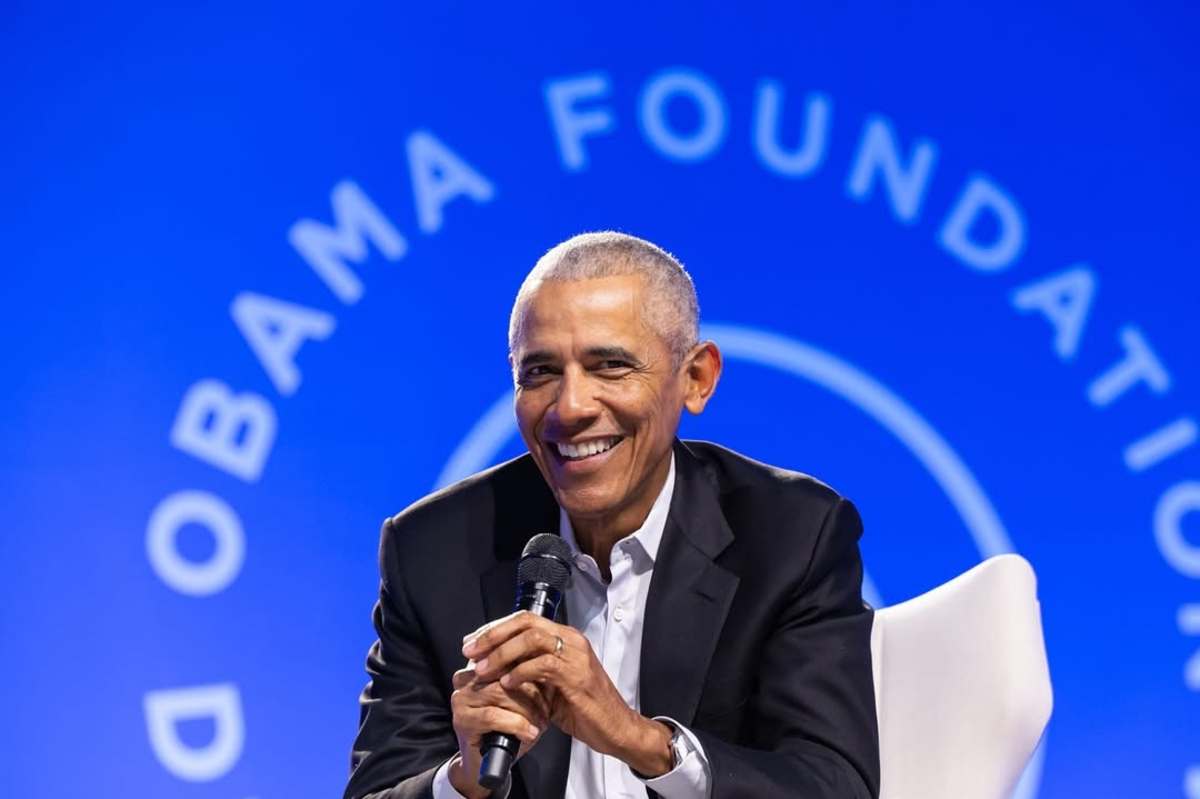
(649, 535)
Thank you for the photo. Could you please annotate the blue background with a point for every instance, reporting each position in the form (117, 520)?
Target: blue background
(155, 157)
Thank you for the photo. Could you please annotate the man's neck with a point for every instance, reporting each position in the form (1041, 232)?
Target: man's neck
(596, 535)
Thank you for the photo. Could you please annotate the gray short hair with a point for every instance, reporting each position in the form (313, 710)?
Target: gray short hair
(673, 310)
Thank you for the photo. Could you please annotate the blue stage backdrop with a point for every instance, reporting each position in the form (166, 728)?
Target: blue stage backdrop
(261, 261)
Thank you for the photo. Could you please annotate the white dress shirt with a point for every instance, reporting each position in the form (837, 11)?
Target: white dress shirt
(610, 615)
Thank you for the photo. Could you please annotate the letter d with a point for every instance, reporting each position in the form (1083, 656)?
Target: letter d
(982, 196)
(221, 703)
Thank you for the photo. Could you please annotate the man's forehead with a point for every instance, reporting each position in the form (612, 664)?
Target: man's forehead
(615, 296)
(590, 317)
(611, 305)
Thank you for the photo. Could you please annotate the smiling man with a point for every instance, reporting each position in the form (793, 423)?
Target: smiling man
(715, 642)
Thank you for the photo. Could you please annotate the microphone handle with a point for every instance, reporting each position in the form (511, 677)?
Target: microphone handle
(499, 749)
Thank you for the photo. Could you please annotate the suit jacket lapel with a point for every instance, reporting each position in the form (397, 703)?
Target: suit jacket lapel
(689, 596)
(499, 589)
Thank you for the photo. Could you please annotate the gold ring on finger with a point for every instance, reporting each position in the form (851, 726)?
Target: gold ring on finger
(558, 645)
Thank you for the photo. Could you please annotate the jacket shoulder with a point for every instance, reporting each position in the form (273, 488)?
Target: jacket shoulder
(735, 474)
(787, 525)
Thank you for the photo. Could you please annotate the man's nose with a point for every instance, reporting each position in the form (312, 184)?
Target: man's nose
(576, 402)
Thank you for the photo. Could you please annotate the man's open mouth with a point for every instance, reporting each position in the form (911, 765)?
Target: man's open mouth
(586, 449)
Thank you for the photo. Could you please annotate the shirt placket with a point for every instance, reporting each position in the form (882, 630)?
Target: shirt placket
(597, 632)
(617, 620)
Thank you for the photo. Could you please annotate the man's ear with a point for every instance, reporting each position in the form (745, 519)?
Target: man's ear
(702, 371)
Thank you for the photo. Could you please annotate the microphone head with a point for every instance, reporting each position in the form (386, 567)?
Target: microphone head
(545, 559)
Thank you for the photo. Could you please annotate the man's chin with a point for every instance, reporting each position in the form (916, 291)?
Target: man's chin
(586, 506)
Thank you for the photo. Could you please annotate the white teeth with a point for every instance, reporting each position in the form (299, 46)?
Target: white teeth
(587, 448)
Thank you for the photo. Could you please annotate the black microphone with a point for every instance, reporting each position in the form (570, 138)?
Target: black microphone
(542, 575)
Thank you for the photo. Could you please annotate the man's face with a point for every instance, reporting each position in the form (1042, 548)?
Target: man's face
(598, 396)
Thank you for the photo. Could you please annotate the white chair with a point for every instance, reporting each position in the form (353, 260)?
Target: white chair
(962, 687)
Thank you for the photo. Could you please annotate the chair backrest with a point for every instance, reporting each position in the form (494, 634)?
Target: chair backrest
(962, 687)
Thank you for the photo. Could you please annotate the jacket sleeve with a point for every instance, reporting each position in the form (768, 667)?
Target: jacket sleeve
(811, 727)
(405, 730)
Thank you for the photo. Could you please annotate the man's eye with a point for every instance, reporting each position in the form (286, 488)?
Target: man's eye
(607, 366)
(535, 374)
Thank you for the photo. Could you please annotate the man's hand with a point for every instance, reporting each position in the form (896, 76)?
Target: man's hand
(481, 706)
(523, 650)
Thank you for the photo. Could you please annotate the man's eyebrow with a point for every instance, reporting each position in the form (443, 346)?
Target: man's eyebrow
(612, 353)
(536, 358)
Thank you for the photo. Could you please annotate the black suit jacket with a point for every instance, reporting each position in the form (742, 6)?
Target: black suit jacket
(755, 633)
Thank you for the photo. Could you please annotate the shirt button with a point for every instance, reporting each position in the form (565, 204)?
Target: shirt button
(618, 614)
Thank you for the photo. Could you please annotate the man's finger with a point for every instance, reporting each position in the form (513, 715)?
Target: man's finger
(542, 670)
(531, 699)
(481, 720)
(488, 625)
(463, 677)
(507, 627)
(530, 642)
(527, 699)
